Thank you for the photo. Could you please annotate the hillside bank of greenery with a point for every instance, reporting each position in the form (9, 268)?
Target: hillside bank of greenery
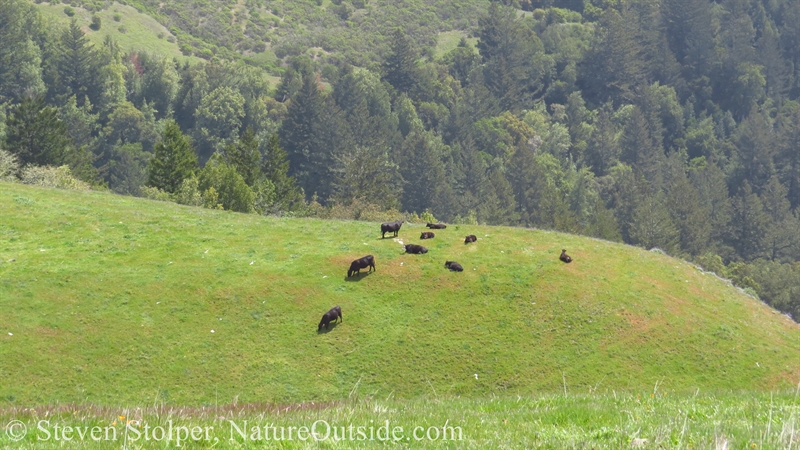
(115, 300)
(671, 123)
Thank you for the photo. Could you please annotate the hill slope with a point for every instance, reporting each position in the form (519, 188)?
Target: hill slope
(113, 299)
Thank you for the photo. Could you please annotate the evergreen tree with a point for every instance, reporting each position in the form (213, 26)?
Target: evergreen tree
(173, 161)
(296, 134)
(652, 225)
(245, 157)
(36, 135)
(366, 174)
(749, 225)
(782, 239)
(400, 64)
(712, 193)
(692, 220)
(513, 58)
(788, 158)
(755, 150)
(78, 66)
(276, 169)
(20, 56)
(602, 151)
(422, 168)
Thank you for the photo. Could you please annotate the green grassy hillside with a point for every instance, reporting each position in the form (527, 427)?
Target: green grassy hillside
(109, 299)
(132, 30)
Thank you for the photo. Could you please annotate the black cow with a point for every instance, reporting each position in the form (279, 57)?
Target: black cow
(565, 257)
(470, 238)
(330, 316)
(426, 235)
(416, 249)
(454, 266)
(361, 263)
(390, 227)
(436, 226)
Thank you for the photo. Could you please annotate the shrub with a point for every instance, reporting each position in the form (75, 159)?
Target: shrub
(117, 17)
(189, 192)
(55, 177)
(96, 22)
(69, 10)
(154, 193)
(122, 29)
(9, 166)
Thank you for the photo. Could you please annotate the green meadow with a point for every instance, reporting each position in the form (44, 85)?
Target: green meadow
(131, 29)
(114, 303)
(649, 419)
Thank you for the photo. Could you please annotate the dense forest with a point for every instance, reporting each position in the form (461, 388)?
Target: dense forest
(670, 124)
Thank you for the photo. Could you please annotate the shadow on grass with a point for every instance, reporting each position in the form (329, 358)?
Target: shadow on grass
(331, 327)
(357, 277)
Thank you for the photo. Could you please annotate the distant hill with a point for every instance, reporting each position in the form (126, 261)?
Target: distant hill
(132, 30)
(111, 299)
(261, 29)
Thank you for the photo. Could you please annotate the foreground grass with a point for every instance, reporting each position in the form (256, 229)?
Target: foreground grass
(650, 419)
(115, 300)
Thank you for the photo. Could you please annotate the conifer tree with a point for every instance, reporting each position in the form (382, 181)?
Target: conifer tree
(245, 157)
(276, 169)
(174, 159)
(400, 65)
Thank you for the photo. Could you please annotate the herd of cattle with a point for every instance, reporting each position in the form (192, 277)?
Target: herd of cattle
(368, 261)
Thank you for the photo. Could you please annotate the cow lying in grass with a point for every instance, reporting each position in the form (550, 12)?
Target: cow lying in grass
(416, 249)
(470, 238)
(565, 257)
(436, 226)
(390, 227)
(361, 263)
(426, 235)
(330, 316)
(454, 266)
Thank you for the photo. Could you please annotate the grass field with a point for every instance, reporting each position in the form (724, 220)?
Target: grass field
(113, 300)
(133, 32)
(648, 419)
(448, 40)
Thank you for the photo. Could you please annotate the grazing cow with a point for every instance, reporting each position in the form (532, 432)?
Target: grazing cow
(414, 248)
(330, 316)
(361, 263)
(454, 266)
(470, 238)
(426, 235)
(565, 257)
(390, 227)
(436, 226)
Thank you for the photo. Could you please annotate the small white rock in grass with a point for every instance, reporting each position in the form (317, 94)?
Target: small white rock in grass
(169, 263)
(158, 303)
(401, 264)
(42, 250)
(324, 276)
(758, 365)
(476, 376)
(10, 334)
(212, 331)
(252, 262)
(206, 251)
